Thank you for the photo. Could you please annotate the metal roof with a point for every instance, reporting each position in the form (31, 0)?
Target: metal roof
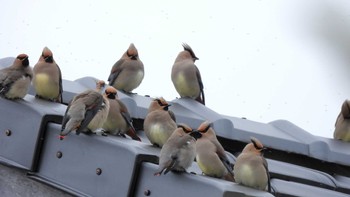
(300, 163)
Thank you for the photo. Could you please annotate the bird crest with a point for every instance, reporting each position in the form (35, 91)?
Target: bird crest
(189, 49)
(257, 144)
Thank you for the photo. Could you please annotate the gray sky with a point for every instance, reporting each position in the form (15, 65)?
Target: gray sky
(263, 60)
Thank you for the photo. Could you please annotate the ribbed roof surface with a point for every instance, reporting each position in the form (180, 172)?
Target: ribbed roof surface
(300, 163)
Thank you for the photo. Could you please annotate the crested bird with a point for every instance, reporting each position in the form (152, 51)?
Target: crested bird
(86, 112)
(15, 80)
(210, 155)
(47, 79)
(160, 122)
(178, 153)
(119, 121)
(251, 168)
(342, 124)
(186, 76)
(128, 72)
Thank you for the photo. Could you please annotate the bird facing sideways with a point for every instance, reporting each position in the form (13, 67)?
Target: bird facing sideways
(178, 153)
(128, 72)
(118, 121)
(251, 167)
(160, 122)
(210, 155)
(15, 80)
(47, 79)
(342, 125)
(86, 112)
(186, 76)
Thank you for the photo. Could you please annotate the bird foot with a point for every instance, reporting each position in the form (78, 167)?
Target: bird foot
(100, 132)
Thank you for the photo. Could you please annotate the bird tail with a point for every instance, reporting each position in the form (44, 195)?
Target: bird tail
(201, 98)
(132, 133)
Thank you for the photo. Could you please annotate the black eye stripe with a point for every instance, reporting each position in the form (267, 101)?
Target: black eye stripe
(184, 128)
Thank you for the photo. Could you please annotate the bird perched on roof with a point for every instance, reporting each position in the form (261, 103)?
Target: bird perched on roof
(15, 79)
(210, 155)
(342, 125)
(178, 153)
(47, 79)
(160, 122)
(251, 167)
(86, 112)
(118, 121)
(128, 72)
(186, 76)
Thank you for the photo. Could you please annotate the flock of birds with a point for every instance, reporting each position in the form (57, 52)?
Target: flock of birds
(100, 111)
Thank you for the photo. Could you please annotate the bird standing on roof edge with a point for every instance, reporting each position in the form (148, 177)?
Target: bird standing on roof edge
(160, 122)
(342, 124)
(128, 72)
(251, 167)
(86, 112)
(178, 153)
(186, 76)
(211, 156)
(47, 79)
(118, 121)
(15, 79)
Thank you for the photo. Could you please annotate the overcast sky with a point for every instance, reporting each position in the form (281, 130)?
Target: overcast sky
(263, 60)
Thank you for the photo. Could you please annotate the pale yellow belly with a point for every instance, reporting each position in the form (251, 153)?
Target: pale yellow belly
(45, 87)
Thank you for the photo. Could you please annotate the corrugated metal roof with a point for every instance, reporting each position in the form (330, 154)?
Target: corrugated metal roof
(300, 163)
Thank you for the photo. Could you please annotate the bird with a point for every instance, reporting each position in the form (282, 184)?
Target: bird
(15, 80)
(251, 168)
(178, 152)
(47, 79)
(342, 124)
(128, 72)
(160, 122)
(210, 155)
(86, 112)
(186, 76)
(119, 121)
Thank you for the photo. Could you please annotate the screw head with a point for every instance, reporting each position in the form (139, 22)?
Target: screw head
(147, 192)
(59, 154)
(98, 171)
(8, 132)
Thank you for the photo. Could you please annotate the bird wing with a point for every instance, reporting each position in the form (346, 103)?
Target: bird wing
(126, 115)
(66, 117)
(201, 97)
(91, 109)
(60, 85)
(7, 78)
(116, 69)
(267, 173)
(223, 157)
(172, 115)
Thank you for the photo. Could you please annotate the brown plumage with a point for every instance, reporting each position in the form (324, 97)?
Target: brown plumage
(210, 155)
(178, 152)
(15, 79)
(86, 112)
(251, 167)
(47, 78)
(186, 76)
(128, 72)
(159, 123)
(342, 125)
(118, 121)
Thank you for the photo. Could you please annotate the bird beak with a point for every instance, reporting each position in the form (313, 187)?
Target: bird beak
(196, 134)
